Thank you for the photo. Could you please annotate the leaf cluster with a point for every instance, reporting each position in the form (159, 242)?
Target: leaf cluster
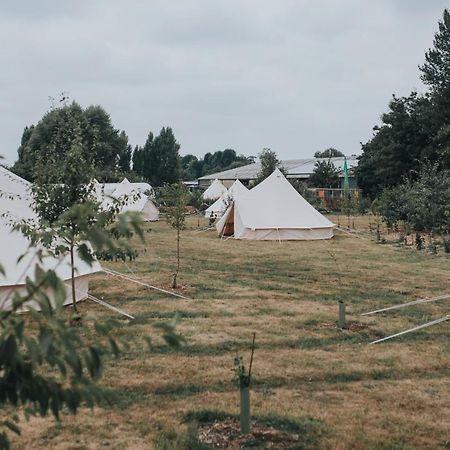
(174, 199)
(423, 204)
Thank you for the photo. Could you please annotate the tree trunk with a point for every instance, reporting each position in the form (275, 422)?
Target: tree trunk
(72, 268)
(178, 251)
(175, 275)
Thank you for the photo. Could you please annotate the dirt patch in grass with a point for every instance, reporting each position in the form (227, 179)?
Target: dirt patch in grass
(227, 435)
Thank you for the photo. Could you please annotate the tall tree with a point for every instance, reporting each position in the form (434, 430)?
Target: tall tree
(269, 162)
(436, 69)
(398, 147)
(104, 147)
(166, 150)
(160, 158)
(325, 175)
(415, 129)
(124, 153)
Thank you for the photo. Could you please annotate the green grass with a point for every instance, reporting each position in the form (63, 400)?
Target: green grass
(306, 372)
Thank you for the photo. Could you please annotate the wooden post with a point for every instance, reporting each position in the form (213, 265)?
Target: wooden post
(341, 321)
(245, 408)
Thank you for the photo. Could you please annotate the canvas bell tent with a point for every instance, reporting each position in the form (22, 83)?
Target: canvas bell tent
(15, 205)
(215, 191)
(138, 200)
(217, 209)
(103, 190)
(236, 189)
(273, 210)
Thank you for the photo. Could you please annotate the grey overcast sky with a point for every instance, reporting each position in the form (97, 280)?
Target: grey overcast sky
(296, 76)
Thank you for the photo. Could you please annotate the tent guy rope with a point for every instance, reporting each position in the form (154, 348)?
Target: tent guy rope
(141, 283)
(404, 305)
(109, 306)
(425, 325)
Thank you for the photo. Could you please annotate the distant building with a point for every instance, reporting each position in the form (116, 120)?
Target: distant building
(295, 168)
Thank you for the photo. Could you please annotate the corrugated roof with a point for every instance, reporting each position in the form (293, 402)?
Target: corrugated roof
(293, 167)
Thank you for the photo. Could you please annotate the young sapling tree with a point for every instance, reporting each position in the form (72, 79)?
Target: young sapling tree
(244, 379)
(175, 198)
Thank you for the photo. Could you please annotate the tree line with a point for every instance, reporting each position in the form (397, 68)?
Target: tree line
(107, 150)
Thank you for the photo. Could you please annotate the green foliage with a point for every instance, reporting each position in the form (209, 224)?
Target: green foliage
(195, 199)
(47, 365)
(269, 162)
(104, 148)
(415, 129)
(241, 374)
(175, 198)
(193, 167)
(330, 152)
(325, 175)
(350, 203)
(420, 241)
(398, 147)
(171, 440)
(158, 160)
(446, 245)
(436, 69)
(424, 204)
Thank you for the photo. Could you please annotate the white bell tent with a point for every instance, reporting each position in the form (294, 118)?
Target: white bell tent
(236, 189)
(217, 209)
(215, 191)
(102, 190)
(273, 210)
(138, 201)
(15, 205)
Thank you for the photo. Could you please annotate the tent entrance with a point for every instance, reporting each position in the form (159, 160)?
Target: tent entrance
(228, 227)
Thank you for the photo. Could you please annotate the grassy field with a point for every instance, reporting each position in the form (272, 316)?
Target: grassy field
(310, 377)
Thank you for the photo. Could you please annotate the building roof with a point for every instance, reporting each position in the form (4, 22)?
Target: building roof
(295, 168)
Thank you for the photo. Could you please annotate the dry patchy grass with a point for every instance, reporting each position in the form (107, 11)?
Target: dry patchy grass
(393, 395)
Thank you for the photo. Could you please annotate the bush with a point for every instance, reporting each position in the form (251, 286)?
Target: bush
(424, 204)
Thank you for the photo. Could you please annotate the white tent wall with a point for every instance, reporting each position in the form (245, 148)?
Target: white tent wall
(81, 293)
(138, 201)
(284, 234)
(236, 189)
(16, 256)
(215, 191)
(216, 209)
(150, 211)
